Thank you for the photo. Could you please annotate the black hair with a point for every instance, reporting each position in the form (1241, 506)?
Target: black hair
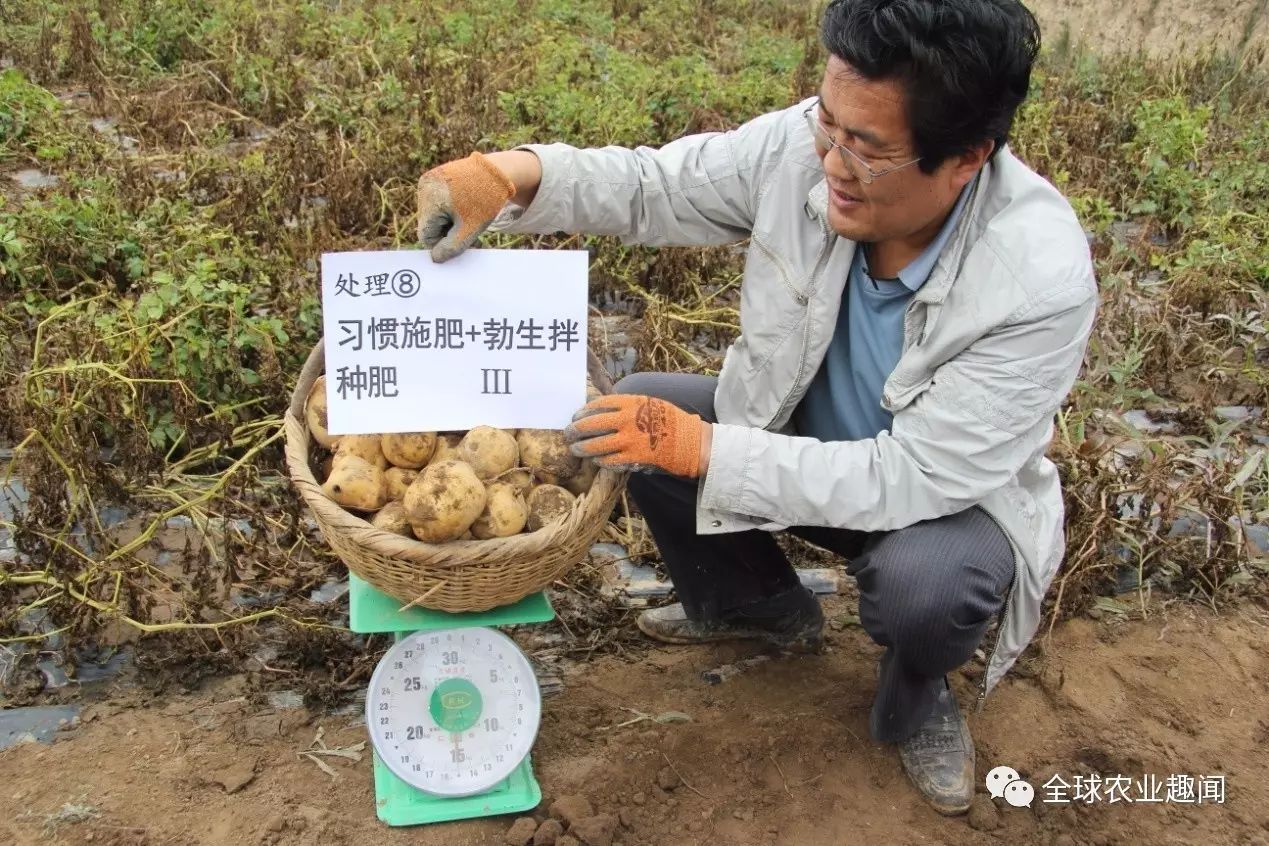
(965, 65)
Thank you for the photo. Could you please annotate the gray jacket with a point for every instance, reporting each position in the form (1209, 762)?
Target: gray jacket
(992, 342)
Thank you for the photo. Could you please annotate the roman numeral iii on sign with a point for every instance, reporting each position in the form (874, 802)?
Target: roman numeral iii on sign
(496, 380)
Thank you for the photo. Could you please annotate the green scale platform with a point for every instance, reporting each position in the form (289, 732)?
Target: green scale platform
(398, 803)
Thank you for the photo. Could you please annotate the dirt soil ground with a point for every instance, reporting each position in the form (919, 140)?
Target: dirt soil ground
(776, 756)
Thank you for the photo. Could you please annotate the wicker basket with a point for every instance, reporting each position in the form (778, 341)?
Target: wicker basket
(472, 575)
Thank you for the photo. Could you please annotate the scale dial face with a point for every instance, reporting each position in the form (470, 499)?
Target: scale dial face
(454, 711)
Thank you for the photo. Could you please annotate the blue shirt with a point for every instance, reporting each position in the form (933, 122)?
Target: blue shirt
(843, 402)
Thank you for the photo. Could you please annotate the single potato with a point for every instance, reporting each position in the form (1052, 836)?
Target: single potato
(580, 482)
(505, 512)
(356, 483)
(545, 452)
(367, 447)
(398, 480)
(444, 501)
(315, 414)
(392, 518)
(446, 446)
(521, 478)
(409, 449)
(547, 503)
(489, 451)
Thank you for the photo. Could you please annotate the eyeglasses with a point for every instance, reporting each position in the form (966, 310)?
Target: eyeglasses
(862, 170)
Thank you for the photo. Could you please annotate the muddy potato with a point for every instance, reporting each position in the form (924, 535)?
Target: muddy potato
(519, 477)
(356, 483)
(505, 512)
(547, 503)
(489, 451)
(398, 480)
(409, 449)
(467, 535)
(366, 447)
(315, 414)
(444, 501)
(545, 452)
(392, 518)
(446, 446)
(580, 482)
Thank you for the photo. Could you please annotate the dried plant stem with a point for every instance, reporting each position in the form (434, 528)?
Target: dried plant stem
(686, 783)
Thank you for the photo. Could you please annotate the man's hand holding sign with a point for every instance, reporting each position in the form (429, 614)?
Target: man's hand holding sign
(457, 201)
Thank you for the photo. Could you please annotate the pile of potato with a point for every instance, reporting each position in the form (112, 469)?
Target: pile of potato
(444, 486)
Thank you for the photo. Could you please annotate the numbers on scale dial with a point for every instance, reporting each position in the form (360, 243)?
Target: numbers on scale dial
(459, 717)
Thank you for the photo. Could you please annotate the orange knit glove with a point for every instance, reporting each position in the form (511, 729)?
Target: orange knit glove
(457, 201)
(633, 432)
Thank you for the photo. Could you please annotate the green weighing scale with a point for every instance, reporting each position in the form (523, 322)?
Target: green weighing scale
(452, 710)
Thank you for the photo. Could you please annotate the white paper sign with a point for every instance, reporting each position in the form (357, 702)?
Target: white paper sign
(492, 337)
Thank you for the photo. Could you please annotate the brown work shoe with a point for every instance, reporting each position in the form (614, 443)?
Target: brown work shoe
(800, 628)
(939, 758)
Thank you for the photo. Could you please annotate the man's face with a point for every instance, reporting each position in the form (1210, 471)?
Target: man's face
(870, 117)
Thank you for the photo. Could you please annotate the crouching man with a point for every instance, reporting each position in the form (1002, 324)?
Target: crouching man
(914, 309)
